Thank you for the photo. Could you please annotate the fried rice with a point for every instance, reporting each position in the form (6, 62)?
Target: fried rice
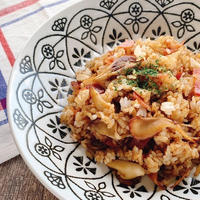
(136, 109)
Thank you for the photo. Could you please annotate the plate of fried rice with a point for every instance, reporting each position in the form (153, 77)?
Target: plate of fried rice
(104, 101)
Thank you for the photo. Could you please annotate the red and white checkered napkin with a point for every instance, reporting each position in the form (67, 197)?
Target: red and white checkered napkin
(19, 19)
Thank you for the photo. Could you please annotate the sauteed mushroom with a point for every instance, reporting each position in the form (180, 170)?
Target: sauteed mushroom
(127, 170)
(98, 101)
(143, 128)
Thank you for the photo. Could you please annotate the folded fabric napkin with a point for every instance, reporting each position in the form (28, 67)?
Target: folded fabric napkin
(19, 19)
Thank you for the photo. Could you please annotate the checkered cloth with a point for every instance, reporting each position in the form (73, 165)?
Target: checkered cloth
(16, 26)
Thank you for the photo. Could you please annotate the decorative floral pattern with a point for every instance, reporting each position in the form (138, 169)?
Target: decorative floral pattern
(47, 149)
(91, 195)
(164, 197)
(54, 179)
(26, 65)
(158, 32)
(187, 16)
(132, 191)
(69, 44)
(116, 38)
(86, 22)
(108, 4)
(54, 149)
(42, 150)
(42, 103)
(97, 193)
(48, 51)
(85, 167)
(164, 3)
(19, 120)
(30, 97)
(70, 91)
(194, 187)
(56, 126)
(59, 25)
(196, 47)
(82, 57)
(60, 88)
(135, 10)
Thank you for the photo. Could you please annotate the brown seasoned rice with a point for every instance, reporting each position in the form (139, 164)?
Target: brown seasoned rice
(136, 82)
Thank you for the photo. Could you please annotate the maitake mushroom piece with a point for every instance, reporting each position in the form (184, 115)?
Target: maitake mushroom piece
(100, 128)
(99, 102)
(127, 170)
(144, 128)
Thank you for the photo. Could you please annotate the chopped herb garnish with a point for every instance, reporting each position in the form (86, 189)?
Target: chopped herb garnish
(142, 83)
(163, 69)
(147, 72)
(119, 81)
(140, 57)
(153, 84)
(144, 76)
(157, 62)
(131, 82)
(128, 71)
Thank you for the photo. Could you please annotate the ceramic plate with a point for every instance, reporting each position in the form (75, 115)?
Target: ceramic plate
(40, 84)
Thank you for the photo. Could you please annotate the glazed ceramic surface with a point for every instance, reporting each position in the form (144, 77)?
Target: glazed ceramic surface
(40, 84)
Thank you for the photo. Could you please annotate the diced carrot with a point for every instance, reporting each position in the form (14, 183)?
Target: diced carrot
(171, 47)
(108, 60)
(166, 52)
(169, 51)
(196, 74)
(162, 77)
(141, 101)
(179, 73)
